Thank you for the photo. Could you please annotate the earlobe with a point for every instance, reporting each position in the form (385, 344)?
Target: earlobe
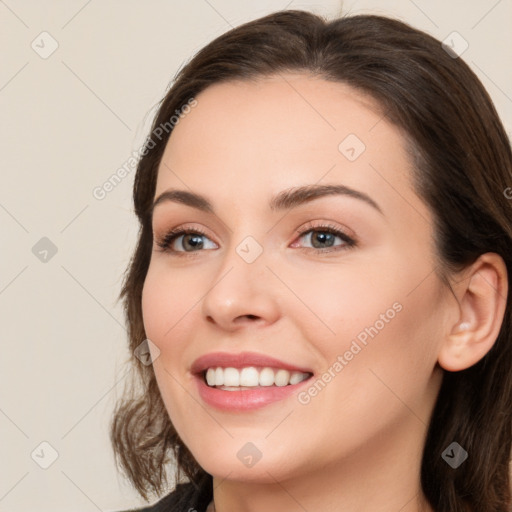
(481, 297)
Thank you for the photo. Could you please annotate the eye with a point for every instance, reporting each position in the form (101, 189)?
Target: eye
(187, 242)
(323, 238)
(191, 241)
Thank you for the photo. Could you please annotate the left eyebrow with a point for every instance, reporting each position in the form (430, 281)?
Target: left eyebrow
(284, 200)
(293, 197)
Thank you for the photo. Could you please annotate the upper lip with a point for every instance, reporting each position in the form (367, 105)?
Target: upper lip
(241, 360)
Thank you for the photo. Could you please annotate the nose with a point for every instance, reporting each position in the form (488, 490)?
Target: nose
(242, 294)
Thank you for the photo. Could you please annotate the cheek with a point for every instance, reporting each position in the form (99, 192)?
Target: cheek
(166, 308)
(381, 355)
(153, 305)
(167, 301)
(376, 315)
(337, 303)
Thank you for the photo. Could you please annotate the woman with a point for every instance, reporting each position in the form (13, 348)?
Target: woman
(321, 278)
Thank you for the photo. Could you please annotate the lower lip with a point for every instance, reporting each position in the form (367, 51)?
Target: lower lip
(245, 399)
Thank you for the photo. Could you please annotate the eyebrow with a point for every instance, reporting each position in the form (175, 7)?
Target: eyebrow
(284, 200)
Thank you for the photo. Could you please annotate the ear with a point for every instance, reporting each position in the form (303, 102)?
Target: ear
(482, 297)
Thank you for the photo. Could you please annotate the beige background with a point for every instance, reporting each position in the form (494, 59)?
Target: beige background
(69, 121)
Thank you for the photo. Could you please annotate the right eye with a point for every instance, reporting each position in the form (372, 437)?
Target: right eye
(189, 240)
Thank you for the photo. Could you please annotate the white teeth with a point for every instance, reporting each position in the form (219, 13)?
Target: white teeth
(282, 377)
(231, 377)
(267, 377)
(296, 377)
(211, 376)
(251, 376)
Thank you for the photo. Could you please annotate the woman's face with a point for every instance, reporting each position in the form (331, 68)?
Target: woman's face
(362, 310)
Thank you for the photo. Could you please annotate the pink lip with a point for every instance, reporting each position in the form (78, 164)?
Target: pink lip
(225, 359)
(245, 399)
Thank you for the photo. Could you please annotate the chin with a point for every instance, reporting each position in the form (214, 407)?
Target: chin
(224, 466)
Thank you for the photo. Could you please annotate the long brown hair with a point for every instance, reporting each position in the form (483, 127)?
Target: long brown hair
(463, 166)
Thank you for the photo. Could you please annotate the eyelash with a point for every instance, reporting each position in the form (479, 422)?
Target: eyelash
(164, 242)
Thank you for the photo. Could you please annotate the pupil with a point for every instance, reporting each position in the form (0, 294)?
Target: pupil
(194, 240)
(322, 235)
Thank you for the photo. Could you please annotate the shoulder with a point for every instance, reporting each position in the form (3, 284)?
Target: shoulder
(186, 497)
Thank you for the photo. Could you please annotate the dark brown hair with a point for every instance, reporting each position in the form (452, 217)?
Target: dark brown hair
(462, 167)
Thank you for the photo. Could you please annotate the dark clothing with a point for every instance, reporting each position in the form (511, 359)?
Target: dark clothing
(185, 498)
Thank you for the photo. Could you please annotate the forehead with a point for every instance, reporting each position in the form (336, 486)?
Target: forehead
(254, 138)
(283, 112)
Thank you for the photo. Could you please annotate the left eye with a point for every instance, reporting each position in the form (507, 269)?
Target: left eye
(324, 237)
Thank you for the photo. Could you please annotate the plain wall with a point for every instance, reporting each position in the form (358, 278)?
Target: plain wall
(69, 120)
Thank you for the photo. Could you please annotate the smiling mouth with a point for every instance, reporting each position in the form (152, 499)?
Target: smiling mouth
(251, 377)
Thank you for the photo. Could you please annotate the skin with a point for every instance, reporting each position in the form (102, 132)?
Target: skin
(356, 446)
